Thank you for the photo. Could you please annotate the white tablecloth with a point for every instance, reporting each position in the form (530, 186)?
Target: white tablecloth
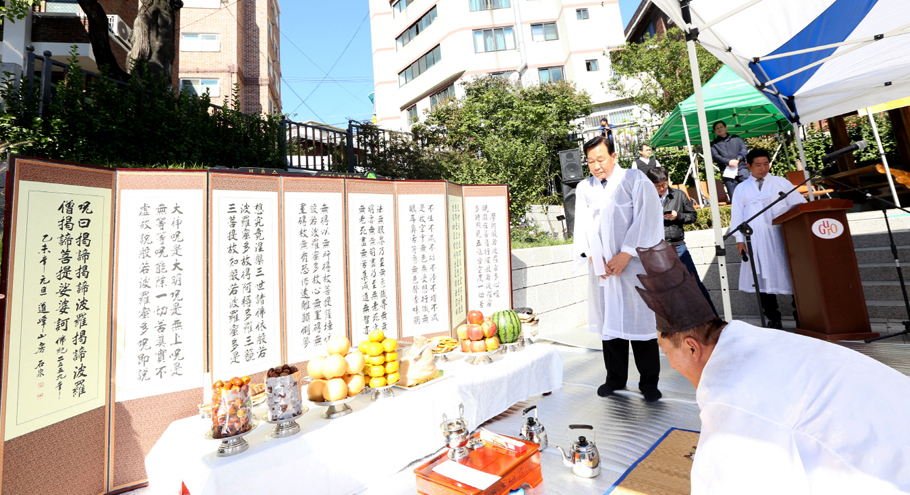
(346, 454)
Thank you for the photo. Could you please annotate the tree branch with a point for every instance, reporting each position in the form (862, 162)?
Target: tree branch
(100, 39)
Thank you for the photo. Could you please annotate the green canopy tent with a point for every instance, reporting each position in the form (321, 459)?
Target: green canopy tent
(728, 97)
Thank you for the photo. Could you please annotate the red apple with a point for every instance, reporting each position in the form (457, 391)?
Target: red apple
(475, 317)
(475, 332)
(465, 345)
(489, 328)
(478, 346)
(492, 343)
(487, 318)
(462, 331)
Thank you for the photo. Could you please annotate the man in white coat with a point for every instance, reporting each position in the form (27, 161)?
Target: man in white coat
(616, 211)
(781, 413)
(756, 192)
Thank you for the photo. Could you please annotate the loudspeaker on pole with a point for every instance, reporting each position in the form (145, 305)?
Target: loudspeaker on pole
(572, 174)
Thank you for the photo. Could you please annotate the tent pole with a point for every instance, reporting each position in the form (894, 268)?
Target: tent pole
(709, 172)
(692, 163)
(802, 159)
(881, 151)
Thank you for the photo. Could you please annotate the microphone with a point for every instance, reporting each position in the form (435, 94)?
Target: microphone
(830, 157)
(745, 258)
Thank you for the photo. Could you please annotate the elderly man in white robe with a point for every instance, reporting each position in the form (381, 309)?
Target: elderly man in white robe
(780, 413)
(756, 192)
(616, 211)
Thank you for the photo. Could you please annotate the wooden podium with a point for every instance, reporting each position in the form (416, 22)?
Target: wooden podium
(823, 269)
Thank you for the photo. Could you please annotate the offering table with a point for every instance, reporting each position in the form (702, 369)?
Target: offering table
(346, 454)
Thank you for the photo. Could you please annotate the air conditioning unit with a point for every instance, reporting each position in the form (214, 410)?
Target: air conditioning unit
(119, 28)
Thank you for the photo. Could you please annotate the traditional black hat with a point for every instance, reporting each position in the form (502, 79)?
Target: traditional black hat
(671, 291)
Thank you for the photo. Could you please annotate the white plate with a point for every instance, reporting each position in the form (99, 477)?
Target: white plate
(430, 382)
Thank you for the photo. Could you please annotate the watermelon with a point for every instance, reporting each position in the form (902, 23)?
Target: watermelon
(508, 326)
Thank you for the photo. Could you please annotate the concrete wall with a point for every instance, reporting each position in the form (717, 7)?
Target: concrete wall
(542, 280)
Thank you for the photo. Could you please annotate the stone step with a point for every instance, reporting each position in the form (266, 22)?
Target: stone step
(882, 254)
(892, 310)
(883, 290)
(877, 272)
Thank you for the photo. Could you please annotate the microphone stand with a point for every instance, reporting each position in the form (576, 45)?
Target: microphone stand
(897, 263)
(747, 231)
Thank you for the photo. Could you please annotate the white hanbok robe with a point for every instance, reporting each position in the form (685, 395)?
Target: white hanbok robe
(767, 240)
(624, 215)
(787, 414)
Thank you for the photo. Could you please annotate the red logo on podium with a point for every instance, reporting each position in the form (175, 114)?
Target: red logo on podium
(827, 228)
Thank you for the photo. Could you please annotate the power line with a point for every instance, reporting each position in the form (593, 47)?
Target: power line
(339, 57)
(320, 68)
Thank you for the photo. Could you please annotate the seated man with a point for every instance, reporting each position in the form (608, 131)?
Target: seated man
(780, 413)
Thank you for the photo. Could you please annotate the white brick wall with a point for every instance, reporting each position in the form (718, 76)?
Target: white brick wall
(542, 280)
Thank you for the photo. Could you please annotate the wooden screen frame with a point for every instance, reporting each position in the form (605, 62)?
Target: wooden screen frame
(427, 188)
(494, 190)
(72, 435)
(154, 418)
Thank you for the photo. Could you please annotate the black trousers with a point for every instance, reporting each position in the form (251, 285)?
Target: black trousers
(647, 360)
(770, 307)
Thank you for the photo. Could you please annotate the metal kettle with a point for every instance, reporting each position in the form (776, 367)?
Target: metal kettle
(531, 429)
(583, 458)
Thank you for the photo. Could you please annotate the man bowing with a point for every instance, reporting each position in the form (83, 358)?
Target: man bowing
(617, 211)
(757, 192)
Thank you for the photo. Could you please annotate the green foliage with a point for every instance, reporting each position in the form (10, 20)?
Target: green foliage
(655, 74)
(16, 9)
(503, 133)
(704, 222)
(142, 123)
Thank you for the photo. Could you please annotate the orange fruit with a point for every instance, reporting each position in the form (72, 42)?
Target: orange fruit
(389, 345)
(374, 349)
(376, 336)
(391, 356)
(377, 382)
(376, 371)
(393, 378)
(376, 360)
(362, 346)
(391, 367)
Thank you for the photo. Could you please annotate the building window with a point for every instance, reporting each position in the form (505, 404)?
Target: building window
(544, 32)
(198, 87)
(550, 74)
(400, 5)
(418, 27)
(591, 65)
(442, 96)
(494, 40)
(420, 66)
(412, 114)
(200, 43)
(62, 6)
(581, 14)
(488, 4)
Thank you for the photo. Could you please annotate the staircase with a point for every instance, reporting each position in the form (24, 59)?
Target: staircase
(884, 300)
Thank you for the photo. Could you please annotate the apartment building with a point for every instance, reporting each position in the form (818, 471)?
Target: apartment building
(422, 49)
(228, 44)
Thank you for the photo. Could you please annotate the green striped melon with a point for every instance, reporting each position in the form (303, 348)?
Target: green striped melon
(508, 326)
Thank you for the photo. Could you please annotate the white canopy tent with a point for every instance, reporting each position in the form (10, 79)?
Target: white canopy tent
(814, 59)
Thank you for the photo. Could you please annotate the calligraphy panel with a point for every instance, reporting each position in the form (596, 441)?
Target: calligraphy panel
(314, 265)
(245, 277)
(372, 258)
(487, 246)
(423, 259)
(457, 289)
(57, 324)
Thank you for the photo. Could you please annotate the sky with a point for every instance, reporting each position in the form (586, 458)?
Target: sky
(326, 59)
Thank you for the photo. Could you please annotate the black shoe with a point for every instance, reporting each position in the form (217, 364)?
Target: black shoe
(775, 324)
(652, 395)
(606, 390)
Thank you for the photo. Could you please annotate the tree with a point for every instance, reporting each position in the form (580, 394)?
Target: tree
(153, 38)
(655, 74)
(502, 133)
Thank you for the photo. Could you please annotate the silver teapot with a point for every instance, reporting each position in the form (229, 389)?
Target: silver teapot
(531, 429)
(456, 433)
(584, 458)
